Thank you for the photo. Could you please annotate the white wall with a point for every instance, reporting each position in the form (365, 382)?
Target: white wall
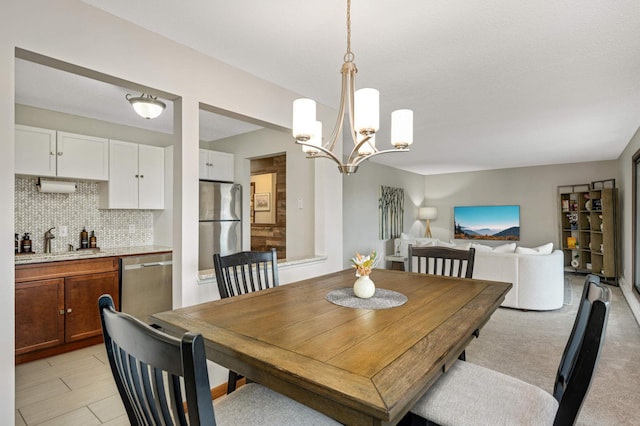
(534, 189)
(625, 164)
(73, 32)
(360, 213)
(55, 120)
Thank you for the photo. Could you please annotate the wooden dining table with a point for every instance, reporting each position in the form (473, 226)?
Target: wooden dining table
(358, 366)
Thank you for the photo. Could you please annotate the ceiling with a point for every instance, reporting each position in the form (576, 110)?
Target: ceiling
(493, 84)
(53, 89)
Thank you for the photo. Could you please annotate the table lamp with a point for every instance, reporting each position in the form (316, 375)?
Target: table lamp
(427, 213)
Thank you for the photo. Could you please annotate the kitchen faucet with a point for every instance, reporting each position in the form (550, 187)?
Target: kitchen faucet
(48, 236)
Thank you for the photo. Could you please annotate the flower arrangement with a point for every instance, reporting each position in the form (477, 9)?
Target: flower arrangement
(364, 264)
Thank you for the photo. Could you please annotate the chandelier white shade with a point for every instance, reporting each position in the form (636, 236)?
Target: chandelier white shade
(362, 110)
(304, 118)
(366, 111)
(146, 106)
(402, 127)
(315, 141)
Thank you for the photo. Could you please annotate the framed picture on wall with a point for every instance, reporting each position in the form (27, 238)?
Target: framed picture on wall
(262, 201)
(500, 223)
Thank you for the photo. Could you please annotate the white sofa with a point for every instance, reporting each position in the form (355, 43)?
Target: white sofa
(537, 279)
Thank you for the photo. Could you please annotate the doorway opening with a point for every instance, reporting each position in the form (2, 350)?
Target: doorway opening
(268, 204)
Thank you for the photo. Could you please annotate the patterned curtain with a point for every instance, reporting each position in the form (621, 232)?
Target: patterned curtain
(391, 212)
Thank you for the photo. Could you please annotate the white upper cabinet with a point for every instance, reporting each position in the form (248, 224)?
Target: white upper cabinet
(83, 157)
(151, 182)
(35, 151)
(136, 177)
(215, 165)
(44, 152)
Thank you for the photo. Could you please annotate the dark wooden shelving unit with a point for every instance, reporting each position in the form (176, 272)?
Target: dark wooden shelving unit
(589, 228)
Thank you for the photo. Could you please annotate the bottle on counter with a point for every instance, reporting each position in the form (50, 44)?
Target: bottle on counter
(84, 238)
(25, 244)
(17, 243)
(93, 241)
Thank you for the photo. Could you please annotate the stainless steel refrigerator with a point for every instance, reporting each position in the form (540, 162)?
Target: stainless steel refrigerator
(220, 221)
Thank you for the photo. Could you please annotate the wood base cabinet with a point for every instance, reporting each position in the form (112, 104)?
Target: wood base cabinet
(39, 315)
(57, 305)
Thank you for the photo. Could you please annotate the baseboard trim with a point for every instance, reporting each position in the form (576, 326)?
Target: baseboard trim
(221, 390)
(631, 298)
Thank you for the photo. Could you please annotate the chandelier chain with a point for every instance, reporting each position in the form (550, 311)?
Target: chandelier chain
(308, 131)
(349, 56)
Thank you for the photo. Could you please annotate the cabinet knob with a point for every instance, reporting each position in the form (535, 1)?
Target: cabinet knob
(61, 311)
(69, 310)
(59, 152)
(142, 176)
(137, 176)
(52, 153)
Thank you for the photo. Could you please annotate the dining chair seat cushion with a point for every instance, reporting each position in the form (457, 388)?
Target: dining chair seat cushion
(256, 405)
(469, 394)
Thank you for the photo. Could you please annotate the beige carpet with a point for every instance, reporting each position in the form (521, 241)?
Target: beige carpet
(528, 345)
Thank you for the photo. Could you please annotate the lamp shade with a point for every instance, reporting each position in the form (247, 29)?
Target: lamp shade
(304, 118)
(315, 140)
(368, 147)
(366, 115)
(427, 213)
(402, 128)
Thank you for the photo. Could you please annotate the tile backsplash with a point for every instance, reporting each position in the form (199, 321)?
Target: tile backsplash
(36, 212)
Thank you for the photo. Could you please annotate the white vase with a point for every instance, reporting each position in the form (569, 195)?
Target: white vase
(364, 288)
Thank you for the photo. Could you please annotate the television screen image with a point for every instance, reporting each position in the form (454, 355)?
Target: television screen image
(500, 223)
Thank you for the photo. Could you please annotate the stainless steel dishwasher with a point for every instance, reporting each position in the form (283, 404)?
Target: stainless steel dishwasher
(146, 285)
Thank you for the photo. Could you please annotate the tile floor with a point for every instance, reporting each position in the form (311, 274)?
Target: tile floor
(72, 389)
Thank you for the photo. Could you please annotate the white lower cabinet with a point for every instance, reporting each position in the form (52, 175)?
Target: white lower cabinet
(45, 152)
(136, 177)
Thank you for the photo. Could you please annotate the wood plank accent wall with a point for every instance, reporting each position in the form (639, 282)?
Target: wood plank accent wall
(266, 236)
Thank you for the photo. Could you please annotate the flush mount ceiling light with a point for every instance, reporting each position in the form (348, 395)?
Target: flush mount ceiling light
(362, 107)
(146, 106)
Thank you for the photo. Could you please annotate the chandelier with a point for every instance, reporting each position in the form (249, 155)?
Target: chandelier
(363, 110)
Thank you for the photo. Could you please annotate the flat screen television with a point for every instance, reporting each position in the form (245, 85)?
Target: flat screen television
(500, 223)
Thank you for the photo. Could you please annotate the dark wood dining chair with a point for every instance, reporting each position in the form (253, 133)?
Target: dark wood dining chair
(471, 394)
(151, 368)
(445, 261)
(245, 272)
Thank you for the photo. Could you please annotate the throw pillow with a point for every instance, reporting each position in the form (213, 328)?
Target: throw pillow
(463, 246)
(445, 244)
(543, 249)
(505, 248)
(480, 247)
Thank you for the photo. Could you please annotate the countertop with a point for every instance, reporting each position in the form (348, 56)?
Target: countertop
(23, 259)
(208, 274)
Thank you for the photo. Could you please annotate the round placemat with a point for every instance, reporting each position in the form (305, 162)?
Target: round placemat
(382, 299)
